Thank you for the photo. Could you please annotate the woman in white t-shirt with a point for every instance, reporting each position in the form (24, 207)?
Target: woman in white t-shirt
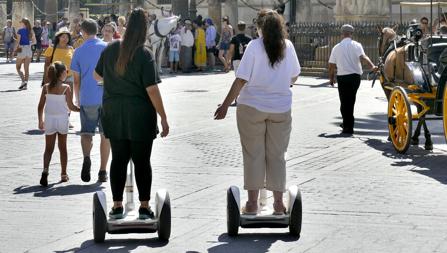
(267, 69)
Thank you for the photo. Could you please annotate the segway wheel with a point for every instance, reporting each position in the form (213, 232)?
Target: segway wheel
(233, 215)
(164, 221)
(296, 216)
(99, 220)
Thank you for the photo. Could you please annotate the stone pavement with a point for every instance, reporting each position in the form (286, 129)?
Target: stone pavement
(358, 194)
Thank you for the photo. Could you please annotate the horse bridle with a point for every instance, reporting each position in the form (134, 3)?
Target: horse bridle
(157, 32)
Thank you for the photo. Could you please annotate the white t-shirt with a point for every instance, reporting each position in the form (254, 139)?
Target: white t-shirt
(9, 33)
(187, 37)
(346, 55)
(174, 42)
(267, 89)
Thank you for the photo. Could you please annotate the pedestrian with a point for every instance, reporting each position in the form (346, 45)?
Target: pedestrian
(187, 45)
(45, 35)
(238, 45)
(107, 32)
(116, 35)
(121, 25)
(81, 17)
(200, 46)
(76, 36)
(264, 121)
(211, 35)
(56, 99)
(88, 95)
(131, 102)
(175, 41)
(62, 23)
(52, 31)
(60, 51)
(224, 44)
(425, 26)
(37, 48)
(9, 36)
(25, 38)
(253, 30)
(346, 57)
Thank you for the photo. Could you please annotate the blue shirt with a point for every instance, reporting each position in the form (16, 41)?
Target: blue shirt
(210, 36)
(84, 62)
(24, 36)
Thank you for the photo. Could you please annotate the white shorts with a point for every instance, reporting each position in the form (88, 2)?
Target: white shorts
(56, 124)
(26, 52)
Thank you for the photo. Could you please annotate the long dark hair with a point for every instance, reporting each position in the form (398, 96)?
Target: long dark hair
(273, 34)
(56, 43)
(27, 24)
(134, 38)
(55, 70)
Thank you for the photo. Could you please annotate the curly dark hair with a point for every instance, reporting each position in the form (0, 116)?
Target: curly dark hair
(274, 34)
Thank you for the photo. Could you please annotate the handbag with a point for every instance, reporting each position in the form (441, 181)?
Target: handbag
(19, 50)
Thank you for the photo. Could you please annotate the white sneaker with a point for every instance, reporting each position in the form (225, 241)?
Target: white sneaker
(23, 86)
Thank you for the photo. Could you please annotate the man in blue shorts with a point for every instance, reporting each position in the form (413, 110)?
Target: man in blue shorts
(88, 95)
(8, 36)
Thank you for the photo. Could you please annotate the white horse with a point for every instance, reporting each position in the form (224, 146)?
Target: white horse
(159, 29)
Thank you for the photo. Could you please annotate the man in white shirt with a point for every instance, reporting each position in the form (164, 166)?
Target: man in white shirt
(187, 43)
(346, 58)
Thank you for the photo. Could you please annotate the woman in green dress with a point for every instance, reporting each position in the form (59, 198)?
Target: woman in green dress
(131, 102)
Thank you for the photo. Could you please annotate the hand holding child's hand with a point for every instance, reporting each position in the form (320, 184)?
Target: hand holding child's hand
(41, 125)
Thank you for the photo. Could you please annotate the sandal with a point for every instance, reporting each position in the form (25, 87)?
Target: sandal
(279, 210)
(64, 178)
(244, 210)
(44, 179)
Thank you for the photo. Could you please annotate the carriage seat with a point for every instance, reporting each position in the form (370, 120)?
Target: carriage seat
(437, 69)
(434, 51)
(436, 39)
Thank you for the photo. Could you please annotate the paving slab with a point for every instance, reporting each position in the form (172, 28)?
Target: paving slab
(359, 195)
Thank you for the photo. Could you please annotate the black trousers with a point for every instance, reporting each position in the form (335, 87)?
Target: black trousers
(347, 91)
(122, 152)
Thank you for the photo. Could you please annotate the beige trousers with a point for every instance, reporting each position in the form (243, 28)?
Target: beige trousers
(264, 140)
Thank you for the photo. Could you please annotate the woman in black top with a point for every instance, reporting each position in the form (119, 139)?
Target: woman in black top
(131, 102)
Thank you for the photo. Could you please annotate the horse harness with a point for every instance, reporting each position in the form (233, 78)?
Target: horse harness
(393, 46)
(156, 33)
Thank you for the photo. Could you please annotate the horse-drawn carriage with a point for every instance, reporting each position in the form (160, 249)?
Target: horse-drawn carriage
(413, 74)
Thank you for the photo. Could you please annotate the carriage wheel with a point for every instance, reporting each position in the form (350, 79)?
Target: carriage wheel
(444, 111)
(399, 120)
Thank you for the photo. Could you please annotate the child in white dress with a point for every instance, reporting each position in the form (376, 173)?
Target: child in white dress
(56, 98)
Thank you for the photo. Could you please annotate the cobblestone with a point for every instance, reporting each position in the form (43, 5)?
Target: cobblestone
(358, 194)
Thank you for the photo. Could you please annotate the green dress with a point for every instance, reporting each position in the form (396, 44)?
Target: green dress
(128, 113)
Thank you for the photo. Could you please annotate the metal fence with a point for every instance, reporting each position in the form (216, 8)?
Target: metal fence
(314, 41)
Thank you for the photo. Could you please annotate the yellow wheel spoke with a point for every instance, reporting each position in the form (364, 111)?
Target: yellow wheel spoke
(394, 133)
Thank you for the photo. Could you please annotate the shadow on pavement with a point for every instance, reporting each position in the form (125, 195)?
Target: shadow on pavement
(34, 132)
(425, 162)
(116, 245)
(56, 190)
(321, 85)
(245, 243)
(334, 136)
(9, 91)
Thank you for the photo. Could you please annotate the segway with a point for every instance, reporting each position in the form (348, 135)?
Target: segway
(130, 223)
(265, 217)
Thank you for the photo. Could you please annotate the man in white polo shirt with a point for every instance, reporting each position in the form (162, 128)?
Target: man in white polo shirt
(346, 58)
(187, 45)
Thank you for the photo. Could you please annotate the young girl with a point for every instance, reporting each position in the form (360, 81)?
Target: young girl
(56, 98)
